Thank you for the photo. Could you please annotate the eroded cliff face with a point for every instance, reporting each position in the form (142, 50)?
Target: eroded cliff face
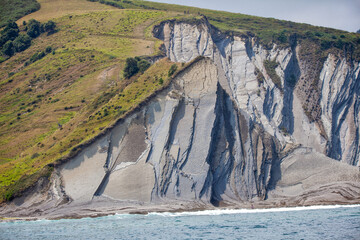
(226, 131)
(191, 143)
(277, 105)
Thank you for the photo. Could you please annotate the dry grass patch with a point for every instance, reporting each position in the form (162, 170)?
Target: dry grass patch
(51, 9)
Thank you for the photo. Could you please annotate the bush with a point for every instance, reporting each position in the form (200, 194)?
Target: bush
(8, 48)
(143, 65)
(134, 65)
(131, 67)
(37, 56)
(172, 70)
(9, 33)
(48, 49)
(34, 28)
(49, 26)
(35, 155)
(22, 42)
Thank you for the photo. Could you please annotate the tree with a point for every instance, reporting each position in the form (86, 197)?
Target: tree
(143, 65)
(22, 42)
(48, 49)
(34, 28)
(8, 48)
(9, 33)
(131, 68)
(358, 31)
(49, 26)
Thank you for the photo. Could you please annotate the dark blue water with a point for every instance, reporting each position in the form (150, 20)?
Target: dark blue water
(295, 223)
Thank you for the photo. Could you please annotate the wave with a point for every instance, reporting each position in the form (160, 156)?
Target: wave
(240, 211)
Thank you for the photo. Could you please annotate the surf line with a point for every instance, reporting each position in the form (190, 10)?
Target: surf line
(238, 211)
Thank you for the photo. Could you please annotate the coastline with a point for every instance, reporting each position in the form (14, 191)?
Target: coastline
(178, 210)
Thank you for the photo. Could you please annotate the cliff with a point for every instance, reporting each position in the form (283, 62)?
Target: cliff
(241, 124)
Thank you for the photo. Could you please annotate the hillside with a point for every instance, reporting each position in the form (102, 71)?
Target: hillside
(53, 108)
(80, 78)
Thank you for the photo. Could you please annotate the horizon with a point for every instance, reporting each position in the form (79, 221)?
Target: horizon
(343, 15)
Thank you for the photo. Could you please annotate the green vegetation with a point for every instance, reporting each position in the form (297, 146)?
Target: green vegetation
(22, 42)
(259, 76)
(172, 70)
(68, 87)
(34, 28)
(134, 65)
(12, 10)
(267, 30)
(143, 65)
(13, 40)
(270, 67)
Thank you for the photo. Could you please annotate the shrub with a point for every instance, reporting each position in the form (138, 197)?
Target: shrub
(22, 42)
(49, 26)
(37, 56)
(34, 28)
(259, 76)
(131, 67)
(35, 155)
(172, 70)
(9, 33)
(143, 65)
(48, 49)
(8, 48)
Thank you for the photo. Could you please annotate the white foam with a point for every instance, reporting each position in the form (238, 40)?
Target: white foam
(238, 211)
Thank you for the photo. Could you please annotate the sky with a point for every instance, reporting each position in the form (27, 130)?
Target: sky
(339, 14)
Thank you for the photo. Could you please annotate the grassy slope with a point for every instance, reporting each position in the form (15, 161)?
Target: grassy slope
(12, 10)
(268, 30)
(54, 9)
(80, 87)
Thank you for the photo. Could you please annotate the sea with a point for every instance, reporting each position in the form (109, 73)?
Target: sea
(316, 222)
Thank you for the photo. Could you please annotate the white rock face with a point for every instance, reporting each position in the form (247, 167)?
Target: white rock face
(280, 111)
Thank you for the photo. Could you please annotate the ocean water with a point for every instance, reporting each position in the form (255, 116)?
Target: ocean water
(321, 222)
